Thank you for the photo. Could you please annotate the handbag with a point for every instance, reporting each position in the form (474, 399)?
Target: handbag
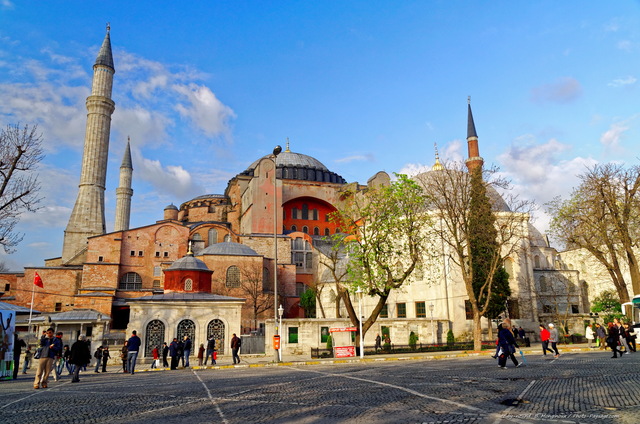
(38, 353)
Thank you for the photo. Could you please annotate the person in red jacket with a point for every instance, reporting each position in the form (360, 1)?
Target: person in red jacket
(544, 337)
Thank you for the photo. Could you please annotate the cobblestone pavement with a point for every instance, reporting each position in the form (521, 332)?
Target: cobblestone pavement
(585, 387)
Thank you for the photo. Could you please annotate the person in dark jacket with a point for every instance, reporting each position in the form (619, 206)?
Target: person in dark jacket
(173, 352)
(133, 345)
(124, 352)
(105, 358)
(612, 340)
(186, 350)
(508, 346)
(165, 352)
(98, 355)
(235, 347)
(51, 347)
(79, 357)
(602, 336)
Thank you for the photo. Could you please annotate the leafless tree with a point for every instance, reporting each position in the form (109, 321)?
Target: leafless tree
(252, 287)
(20, 153)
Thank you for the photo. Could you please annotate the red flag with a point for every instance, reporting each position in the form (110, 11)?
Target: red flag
(38, 281)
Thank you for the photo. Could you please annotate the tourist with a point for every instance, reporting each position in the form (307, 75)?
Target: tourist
(156, 357)
(602, 336)
(589, 335)
(124, 352)
(173, 352)
(508, 346)
(181, 352)
(631, 336)
(98, 355)
(67, 355)
(50, 347)
(165, 352)
(622, 335)
(236, 343)
(58, 364)
(186, 350)
(105, 358)
(201, 350)
(378, 342)
(544, 337)
(28, 354)
(79, 356)
(613, 339)
(553, 338)
(133, 345)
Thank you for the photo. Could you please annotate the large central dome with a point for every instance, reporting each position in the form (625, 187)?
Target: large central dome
(297, 166)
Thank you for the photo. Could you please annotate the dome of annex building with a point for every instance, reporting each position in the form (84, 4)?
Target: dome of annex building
(228, 248)
(298, 166)
(497, 202)
(188, 263)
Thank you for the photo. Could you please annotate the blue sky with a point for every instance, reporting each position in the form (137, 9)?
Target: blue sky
(204, 88)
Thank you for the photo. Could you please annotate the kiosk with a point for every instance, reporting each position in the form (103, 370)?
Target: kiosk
(343, 344)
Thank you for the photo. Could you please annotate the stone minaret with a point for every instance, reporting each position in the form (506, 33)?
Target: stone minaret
(474, 160)
(87, 218)
(124, 192)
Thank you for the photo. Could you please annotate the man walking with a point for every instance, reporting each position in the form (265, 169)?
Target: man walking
(173, 352)
(98, 355)
(235, 347)
(133, 345)
(553, 338)
(105, 358)
(165, 352)
(602, 336)
(80, 356)
(187, 350)
(50, 347)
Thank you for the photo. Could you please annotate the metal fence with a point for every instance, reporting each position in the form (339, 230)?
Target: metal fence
(252, 344)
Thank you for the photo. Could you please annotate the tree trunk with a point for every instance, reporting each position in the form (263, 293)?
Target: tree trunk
(477, 330)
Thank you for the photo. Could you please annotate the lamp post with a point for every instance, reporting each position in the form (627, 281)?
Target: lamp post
(280, 312)
(433, 332)
(276, 152)
(360, 292)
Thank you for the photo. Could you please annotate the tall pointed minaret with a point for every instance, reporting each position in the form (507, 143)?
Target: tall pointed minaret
(474, 160)
(124, 191)
(87, 218)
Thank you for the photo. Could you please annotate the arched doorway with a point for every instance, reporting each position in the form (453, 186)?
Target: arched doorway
(154, 336)
(186, 327)
(216, 329)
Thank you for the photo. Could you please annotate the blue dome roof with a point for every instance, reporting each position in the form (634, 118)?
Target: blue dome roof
(188, 263)
(228, 249)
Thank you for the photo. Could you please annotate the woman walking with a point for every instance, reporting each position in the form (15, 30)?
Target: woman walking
(588, 334)
(508, 346)
(612, 340)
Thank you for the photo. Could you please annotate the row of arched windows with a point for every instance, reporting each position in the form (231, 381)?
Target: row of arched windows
(155, 334)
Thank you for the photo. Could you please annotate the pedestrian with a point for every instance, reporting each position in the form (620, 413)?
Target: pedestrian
(50, 347)
(181, 352)
(156, 356)
(28, 354)
(105, 358)
(378, 342)
(522, 333)
(602, 336)
(613, 339)
(508, 346)
(58, 364)
(553, 338)
(201, 350)
(631, 336)
(173, 352)
(98, 355)
(165, 352)
(544, 338)
(589, 335)
(495, 355)
(515, 333)
(124, 353)
(187, 350)
(211, 346)
(133, 345)
(67, 355)
(18, 344)
(236, 343)
(79, 356)
(62, 362)
(622, 335)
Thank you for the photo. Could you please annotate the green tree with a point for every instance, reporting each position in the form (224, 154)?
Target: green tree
(607, 305)
(308, 303)
(386, 228)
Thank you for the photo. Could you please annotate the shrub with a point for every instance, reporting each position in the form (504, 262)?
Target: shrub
(413, 340)
(450, 338)
(329, 343)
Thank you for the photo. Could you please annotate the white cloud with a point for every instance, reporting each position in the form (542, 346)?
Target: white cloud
(564, 90)
(625, 45)
(356, 158)
(450, 153)
(612, 137)
(620, 82)
(7, 4)
(204, 109)
(171, 179)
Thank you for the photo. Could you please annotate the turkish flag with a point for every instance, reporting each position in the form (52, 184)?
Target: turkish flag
(38, 281)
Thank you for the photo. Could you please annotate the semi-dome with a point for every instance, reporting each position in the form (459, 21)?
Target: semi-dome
(188, 263)
(228, 249)
(298, 166)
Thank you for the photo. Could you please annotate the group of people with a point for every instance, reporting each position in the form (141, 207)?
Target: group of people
(52, 355)
(180, 350)
(615, 336)
(507, 344)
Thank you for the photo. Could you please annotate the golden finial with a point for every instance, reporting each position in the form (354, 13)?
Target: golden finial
(437, 166)
(189, 251)
(287, 149)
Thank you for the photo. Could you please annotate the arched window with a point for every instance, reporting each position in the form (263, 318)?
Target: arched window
(305, 211)
(188, 284)
(316, 231)
(536, 261)
(294, 228)
(130, 281)
(227, 238)
(154, 336)
(305, 229)
(213, 236)
(266, 280)
(508, 266)
(215, 329)
(186, 327)
(314, 213)
(326, 232)
(294, 213)
(233, 276)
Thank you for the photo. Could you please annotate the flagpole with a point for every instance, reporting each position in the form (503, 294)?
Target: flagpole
(33, 294)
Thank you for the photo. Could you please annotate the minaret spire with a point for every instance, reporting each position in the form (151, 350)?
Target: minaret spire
(124, 192)
(474, 160)
(287, 149)
(437, 166)
(87, 218)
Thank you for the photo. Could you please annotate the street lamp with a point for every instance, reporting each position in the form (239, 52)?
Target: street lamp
(280, 312)
(276, 152)
(433, 332)
(360, 292)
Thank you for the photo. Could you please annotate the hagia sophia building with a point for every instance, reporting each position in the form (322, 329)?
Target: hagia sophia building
(188, 273)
